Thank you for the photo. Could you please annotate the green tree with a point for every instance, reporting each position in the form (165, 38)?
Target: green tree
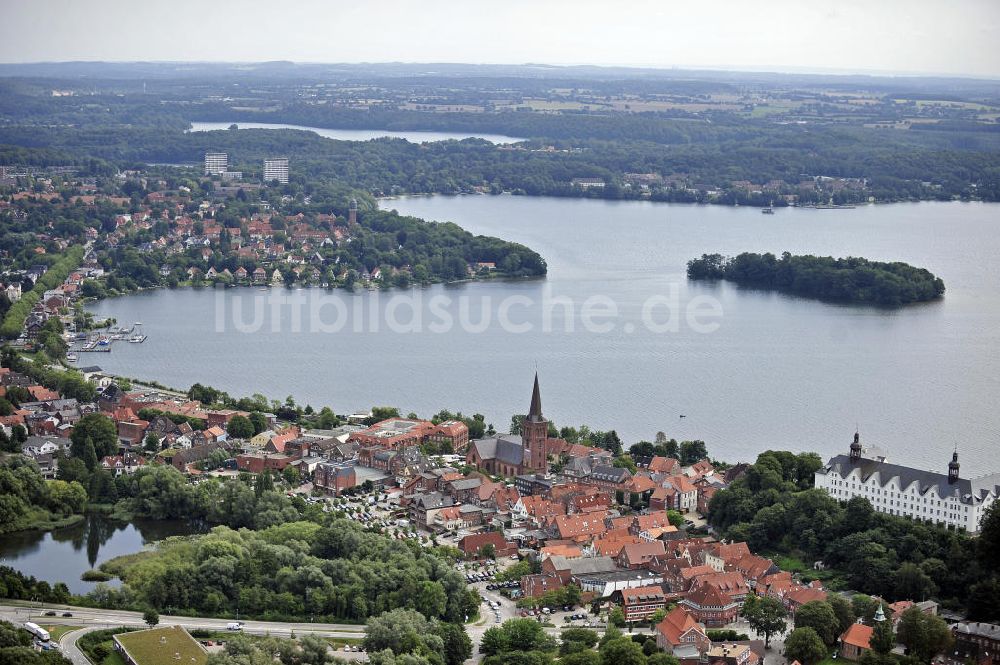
(622, 651)
(924, 635)
(100, 430)
(842, 609)
(259, 421)
(457, 645)
(151, 443)
(240, 427)
(150, 618)
(883, 638)
(67, 498)
(819, 616)
(910, 581)
(805, 646)
(766, 615)
(617, 617)
(662, 659)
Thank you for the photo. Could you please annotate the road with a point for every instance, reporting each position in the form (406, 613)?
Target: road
(97, 618)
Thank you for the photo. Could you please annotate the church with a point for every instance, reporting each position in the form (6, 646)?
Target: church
(517, 454)
(902, 490)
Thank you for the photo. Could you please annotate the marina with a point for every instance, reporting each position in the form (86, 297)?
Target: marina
(100, 341)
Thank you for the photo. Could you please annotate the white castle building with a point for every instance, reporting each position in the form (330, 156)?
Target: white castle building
(902, 490)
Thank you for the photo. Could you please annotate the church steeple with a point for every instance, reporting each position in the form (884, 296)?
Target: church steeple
(953, 467)
(535, 412)
(856, 448)
(535, 433)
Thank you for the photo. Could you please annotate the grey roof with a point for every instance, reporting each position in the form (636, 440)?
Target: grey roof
(466, 484)
(612, 473)
(990, 630)
(970, 491)
(434, 500)
(585, 565)
(508, 448)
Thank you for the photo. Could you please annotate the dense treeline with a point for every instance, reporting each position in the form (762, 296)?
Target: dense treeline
(329, 567)
(26, 500)
(711, 155)
(16, 648)
(59, 270)
(775, 509)
(850, 279)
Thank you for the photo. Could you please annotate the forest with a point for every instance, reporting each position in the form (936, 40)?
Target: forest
(706, 157)
(775, 508)
(851, 280)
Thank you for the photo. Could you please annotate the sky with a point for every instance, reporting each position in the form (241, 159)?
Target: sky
(959, 37)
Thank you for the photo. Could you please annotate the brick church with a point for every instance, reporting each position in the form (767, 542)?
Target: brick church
(517, 454)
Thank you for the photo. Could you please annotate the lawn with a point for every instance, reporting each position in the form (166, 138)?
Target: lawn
(160, 645)
(56, 632)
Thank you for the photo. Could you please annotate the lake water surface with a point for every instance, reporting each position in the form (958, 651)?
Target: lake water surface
(413, 136)
(777, 372)
(63, 555)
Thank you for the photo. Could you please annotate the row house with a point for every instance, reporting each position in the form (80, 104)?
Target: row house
(641, 603)
(122, 465)
(332, 478)
(473, 544)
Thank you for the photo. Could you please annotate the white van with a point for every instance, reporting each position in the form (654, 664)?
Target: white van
(234, 626)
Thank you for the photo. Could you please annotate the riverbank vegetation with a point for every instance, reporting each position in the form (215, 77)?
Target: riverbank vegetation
(330, 569)
(852, 280)
(775, 508)
(29, 502)
(58, 271)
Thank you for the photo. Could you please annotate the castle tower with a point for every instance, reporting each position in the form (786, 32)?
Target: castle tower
(953, 468)
(534, 433)
(856, 449)
(352, 212)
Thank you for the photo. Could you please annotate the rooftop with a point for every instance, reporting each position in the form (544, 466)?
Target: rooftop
(163, 646)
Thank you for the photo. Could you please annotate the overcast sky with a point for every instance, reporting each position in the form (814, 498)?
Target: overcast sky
(890, 36)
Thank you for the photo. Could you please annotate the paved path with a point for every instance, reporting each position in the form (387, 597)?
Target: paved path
(69, 648)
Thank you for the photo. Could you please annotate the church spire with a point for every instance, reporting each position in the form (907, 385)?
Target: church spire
(535, 412)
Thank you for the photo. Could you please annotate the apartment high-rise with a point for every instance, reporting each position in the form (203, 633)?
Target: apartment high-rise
(216, 163)
(276, 168)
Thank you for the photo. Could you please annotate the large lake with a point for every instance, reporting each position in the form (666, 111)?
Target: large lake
(360, 134)
(63, 555)
(778, 372)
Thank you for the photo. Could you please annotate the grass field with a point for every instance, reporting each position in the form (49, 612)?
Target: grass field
(57, 631)
(162, 645)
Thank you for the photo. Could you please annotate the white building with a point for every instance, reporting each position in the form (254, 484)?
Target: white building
(216, 163)
(276, 168)
(902, 490)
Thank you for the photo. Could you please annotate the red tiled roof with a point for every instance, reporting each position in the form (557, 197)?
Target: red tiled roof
(858, 635)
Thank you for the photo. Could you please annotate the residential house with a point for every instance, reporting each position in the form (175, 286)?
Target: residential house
(640, 603)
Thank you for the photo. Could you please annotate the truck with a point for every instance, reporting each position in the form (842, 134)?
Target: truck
(37, 631)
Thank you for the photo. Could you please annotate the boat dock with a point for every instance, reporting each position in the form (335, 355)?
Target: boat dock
(100, 341)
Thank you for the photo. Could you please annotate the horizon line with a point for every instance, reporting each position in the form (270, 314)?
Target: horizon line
(746, 69)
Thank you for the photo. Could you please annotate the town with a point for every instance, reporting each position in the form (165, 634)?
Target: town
(261, 401)
(559, 533)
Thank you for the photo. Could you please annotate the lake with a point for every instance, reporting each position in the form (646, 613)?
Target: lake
(776, 371)
(413, 136)
(63, 555)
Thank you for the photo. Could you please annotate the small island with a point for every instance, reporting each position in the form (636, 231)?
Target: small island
(851, 279)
